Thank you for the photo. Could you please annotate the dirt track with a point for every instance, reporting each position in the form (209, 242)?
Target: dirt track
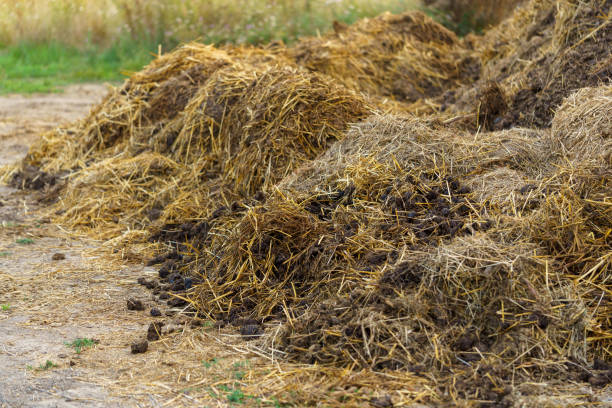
(22, 118)
(48, 303)
(36, 324)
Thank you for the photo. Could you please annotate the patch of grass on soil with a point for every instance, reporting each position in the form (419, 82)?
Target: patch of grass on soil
(43, 367)
(48, 365)
(25, 241)
(210, 363)
(80, 344)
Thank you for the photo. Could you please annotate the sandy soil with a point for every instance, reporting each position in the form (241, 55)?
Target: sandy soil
(22, 118)
(46, 303)
(34, 326)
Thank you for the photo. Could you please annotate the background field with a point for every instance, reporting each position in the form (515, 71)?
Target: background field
(46, 44)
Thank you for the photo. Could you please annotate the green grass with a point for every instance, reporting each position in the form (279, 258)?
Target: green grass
(464, 24)
(4, 254)
(236, 396)
(27, 68)
(169, 22)
(48, 365)
(43, 367)
(5, 308)
(25, 241)
(48, 45)
(80, 344)
(210, 363)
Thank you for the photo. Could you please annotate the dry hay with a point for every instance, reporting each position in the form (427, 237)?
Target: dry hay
(575, 221)
(475, 258)
(197, 128)
(404, 57)
(377, 255)
(582, 127)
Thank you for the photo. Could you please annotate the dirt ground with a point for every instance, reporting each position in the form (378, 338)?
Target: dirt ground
(22, 118)
(46, 304)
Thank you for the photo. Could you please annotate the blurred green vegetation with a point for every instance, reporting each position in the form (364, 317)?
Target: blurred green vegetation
(26, 68)
(469, 16)
(46, 44)
(467, 22)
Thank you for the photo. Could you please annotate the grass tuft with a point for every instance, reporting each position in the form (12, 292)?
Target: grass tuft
(48, 365)
(210, 363)
(25, 241)
(81, 344)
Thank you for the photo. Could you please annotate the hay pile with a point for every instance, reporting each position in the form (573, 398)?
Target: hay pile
(397, 249)
(447, 245)
(198, 128)
(403, 57)
(534, 60)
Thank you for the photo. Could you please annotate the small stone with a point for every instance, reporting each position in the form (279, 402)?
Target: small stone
(155, 312)
(134, 304)
(251, 331)
(382, 402)
(140, 347)
(154, 331)
(177, 302)
(58, 257)
(601, 379)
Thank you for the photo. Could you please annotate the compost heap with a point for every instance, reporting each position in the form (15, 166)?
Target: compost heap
(470, 244)
(196, 128)
(405, 57)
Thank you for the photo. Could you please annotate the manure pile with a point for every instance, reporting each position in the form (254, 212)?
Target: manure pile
(386, 196)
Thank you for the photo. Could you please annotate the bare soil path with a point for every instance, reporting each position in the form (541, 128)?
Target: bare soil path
(23, 117)
(46, 304)
(42, 302)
